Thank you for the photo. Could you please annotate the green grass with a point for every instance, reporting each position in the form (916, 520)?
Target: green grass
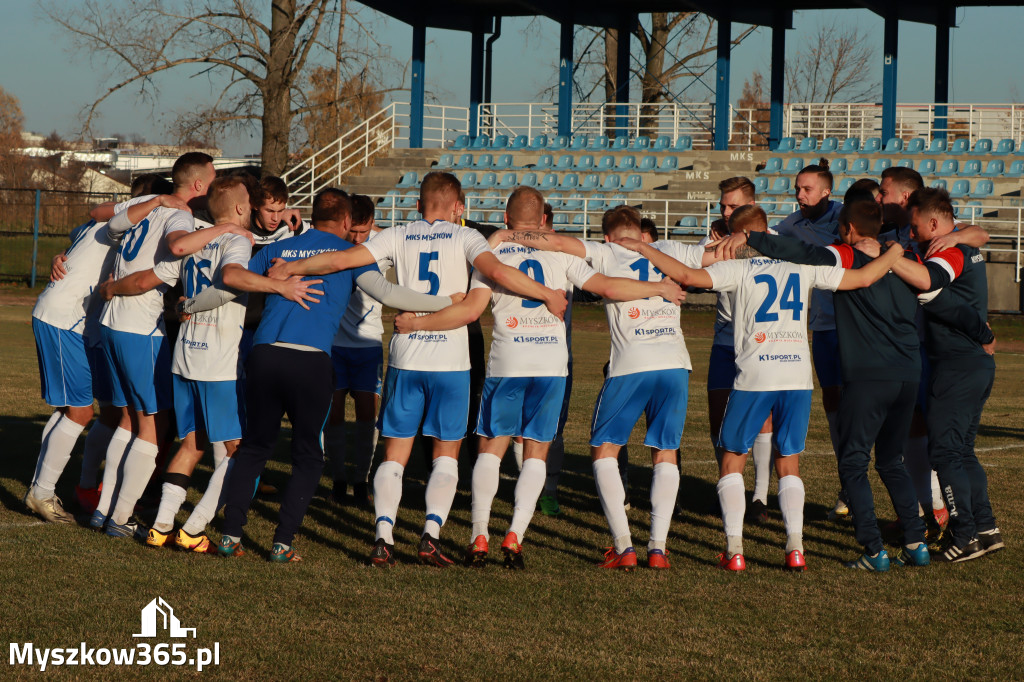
(332, 616)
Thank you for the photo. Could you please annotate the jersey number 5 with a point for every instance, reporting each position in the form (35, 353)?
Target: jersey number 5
(431, 278)
(790, 298)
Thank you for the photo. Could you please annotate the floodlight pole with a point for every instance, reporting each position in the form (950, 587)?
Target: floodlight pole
(941, 80)
(778, 82)
(627, 22)
(476, 82)
(722, 84)
(891, 43)
(417, 90)
(565, 68)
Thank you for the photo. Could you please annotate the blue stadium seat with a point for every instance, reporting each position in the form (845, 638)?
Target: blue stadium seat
(948, 168)
(767, 206)
(906, 163)
(668, 164)
(574, 202)
(1015, 170)
(488, 180)
(627, 162)
(915, 146)
(850, 145)
(937, 146)
(959, 146)
(684, 143)
(774, 221)
(688, 221)
(579, 142)
(611, 182)
(565, 162)
(780, 186)
(468, 179)
(481, 142)
(939, 184)
(621, 143)
(838, 166)
(844, 185)
(872, 145)
(970, 169)
(642, 142)
(539, 142)
(994, 169)
(662, 143)
(503, 162)
(550, 181)
(760, 185)
(390, 199)
(606, 163)
(706, 223)
(585, 162)
(569, 181)
(579, 219)
(555, 199)
(508, 181)
(647, 164)
(499, 142)
(786, 144)
(410, 179)
(633, 183)
(465, 161)
(600, 142)
(595, 203)
(476, 216)
(893, 146)
(617, 200)
(772, 166)
(409, 200)
(590, 182)
(560, 219)
(545, 162)
(496, 218)
(829, 145)
(960, 189)
(446, 161)
(484, 161)
(487, 202)
(1005, 146)
(982, 189)
(972, 211)
(793, 166)
(982, 146)
(529, 179)
(808, 144)
(518, 142)
(858, 167)
(926, 167)
(461, 142)
(558, 142)
(881, 165)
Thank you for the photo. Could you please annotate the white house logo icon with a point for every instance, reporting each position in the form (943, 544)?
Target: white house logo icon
(159, 613)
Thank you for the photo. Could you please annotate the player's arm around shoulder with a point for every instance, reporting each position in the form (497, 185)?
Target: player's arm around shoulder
(520, 283)
(542, 241)
(457, 315)
(183, 242)
(323, 263)
(622, 289)
(858, 278)
(294, 288)
(672, 268)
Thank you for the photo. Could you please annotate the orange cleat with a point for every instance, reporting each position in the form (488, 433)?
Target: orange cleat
(795, 561)
(733, 563)
(513, 552)
(941, 517)
(626, 560)
(476, 553)
(657, 558)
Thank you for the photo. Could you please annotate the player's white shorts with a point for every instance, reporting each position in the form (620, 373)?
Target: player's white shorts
(745, 414)
(521, 406)
(63, 366)
(215, 408)
(661, 395)
(140, 370)
(358, 369)
(438, 400)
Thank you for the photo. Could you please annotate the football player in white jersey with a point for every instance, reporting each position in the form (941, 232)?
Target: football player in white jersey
(72, 372)
(526, 374)
(648, 374)
(358, 357)
(428, 374)
(773, 371)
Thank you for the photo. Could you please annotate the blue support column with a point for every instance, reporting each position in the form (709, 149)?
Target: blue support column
(417, 91)
(722, 84)
(622, 71)
(891, 43)
(941, 80)
(778, 83)
(565, 68)
(476, 82)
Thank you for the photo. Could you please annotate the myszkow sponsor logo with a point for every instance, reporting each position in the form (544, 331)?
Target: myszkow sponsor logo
(636, 312)
(157, 618)
(512, 322)
(784, 336)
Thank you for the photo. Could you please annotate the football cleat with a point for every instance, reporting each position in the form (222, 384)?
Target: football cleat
(954, 553)
(97, 521)
(757, 512)
(126, 530)
(840, 512)
(476, 553)
(657, 558)
(626, 560)
(733, 563)
(50, 509)
(430, 552)
(912, 557)
(229, 548)
(155, 538)
(549, 505)
(265, 489)
(795, 561)
(200, 544)
(875, 564)
(941, 517)
(383, 554)
(280, 554)
(513, 552)
(991, 540)
(88, 498)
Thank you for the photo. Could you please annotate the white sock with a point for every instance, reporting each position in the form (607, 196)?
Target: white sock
(54, 456)
(387, 494)
(762, 465)
(366, 443)
(47, 429)
(791, 502)
(937, 501)
(833, 429)
(220, 453)
(50, 423)
(171, 498)
(119, 444)
(139, 465)
(485, 487)
(441, 486)
(207, 507)
(96, 443)
(556, 455)
(664, 488)
(613, 499)
(915, 459)
(517, 451)
(528, 487)
(337, 434)
(733, 502)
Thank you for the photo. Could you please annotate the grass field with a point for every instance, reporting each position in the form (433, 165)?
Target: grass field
(333, 617)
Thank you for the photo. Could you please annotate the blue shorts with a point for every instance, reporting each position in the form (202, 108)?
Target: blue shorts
(438, 400)
(721, 368)
(521, 406)
(745, 414)
(63, 366)
(661, 395)
(102, 390)
(215, 408)
(358, 369)
(140, 370)
(825, 352)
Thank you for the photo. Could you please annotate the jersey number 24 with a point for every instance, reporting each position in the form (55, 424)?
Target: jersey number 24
(790, 297)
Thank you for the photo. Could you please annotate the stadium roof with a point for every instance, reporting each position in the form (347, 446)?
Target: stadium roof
(466, 15)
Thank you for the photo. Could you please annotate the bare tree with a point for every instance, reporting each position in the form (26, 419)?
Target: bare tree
(834, 66)
(260, 50)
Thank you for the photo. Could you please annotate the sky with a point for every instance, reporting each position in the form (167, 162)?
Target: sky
(53, 83)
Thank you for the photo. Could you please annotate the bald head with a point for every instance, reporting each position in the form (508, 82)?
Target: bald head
(524, 209)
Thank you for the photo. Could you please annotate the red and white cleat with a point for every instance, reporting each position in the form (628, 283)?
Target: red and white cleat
(795, 561)
(733, 563)
(626, 560)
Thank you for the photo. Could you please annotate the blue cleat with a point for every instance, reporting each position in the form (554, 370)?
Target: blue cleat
(127, 530)
(865, 562)
(97, 521)
(912, 557)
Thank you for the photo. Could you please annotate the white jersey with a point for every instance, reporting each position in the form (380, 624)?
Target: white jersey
(723, 309)
(361, 326)
(142, 248)
(821, 232)
(769, 319)
(70, 303)
(207, 345)
(284, 231)
(646, 335)
(432, 258)
(528, 341)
